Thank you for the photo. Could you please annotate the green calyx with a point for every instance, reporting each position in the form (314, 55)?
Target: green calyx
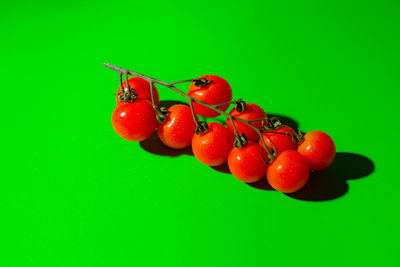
(201, 82)
(273, 123)
(202, 127)
(240, 105)
(299, 136)
(240, 140)
(128, 95)
(161, 114)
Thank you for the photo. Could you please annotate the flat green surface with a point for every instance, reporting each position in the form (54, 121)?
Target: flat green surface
(72, 193)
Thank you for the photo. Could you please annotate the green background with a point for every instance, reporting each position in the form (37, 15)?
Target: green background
(73, 193)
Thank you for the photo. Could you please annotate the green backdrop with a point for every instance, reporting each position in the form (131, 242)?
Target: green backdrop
(73, 193)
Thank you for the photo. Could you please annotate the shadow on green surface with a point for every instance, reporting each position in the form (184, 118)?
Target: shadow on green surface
(327, 184)
(262, 184)
(222, 168)
(154, 145)
(330, 183)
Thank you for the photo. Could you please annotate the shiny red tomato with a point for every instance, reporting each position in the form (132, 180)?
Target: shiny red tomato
(134, 121)
(216, 91)
(178, 130)
(212, 147)
(142, 88)
(318, 148)
(251, 112)
(288, 172)
(280, 141)
(248, 163)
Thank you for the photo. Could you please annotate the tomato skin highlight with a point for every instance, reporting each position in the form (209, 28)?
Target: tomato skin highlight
(280, 141)
(142, 88)
(248, 163)
(251, 112)
(217, 92)
(212, 148)
(319, 149)
(134, 121)
(178, 130)
(288, 172)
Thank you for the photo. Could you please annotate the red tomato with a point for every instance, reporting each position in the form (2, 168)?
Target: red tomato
(288, 172)
(134, 121)
(280, 141)
(248, 163)
(178, 130)
(318, 148)
(251, 112)
(142, 88)
(216, 92)
(212, 147)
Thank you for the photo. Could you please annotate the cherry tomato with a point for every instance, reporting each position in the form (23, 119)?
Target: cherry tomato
(288, 172)
(251, 112)
(318, 148)
(142, 88)
(178, 130)
(280, 141)
(217, 91)
(212, 147)
(248, 163)
(135, 121)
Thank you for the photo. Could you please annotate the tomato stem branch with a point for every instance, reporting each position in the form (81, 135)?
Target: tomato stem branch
(152, 95)
(234, 127)
(184, 81)
(226, 103)
(191, 100)
(120, 82)
(259, 119)
(196, 121)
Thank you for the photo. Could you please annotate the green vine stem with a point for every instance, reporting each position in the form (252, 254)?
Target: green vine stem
(294, 137)
(200, 125)
(227, 103)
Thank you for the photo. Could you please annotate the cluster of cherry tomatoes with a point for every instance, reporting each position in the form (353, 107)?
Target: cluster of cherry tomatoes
(284, 156)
